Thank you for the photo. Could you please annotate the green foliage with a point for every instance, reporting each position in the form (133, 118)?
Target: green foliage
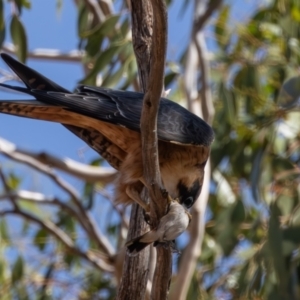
(2, 24)
(19, 38)
(255, 156)
(17, 270)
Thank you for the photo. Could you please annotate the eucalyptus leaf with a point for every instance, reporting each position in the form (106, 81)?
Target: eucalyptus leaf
(104, 60)
(275, 239)
(2, 24)
(19, 38)
(221, 29)
(17, 271)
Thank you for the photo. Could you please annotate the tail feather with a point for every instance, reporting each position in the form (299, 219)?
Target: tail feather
(33, 109)
(136, 245)
(95, 133)
(31, 78)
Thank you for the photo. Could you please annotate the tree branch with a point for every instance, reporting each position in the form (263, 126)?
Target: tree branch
(150, 110)
(200, 103)
(50, 227)
(158, 203)
(48, 54)
(86, 219)
(135, 270)
(72, 167)
(40, 199)
(203, 12)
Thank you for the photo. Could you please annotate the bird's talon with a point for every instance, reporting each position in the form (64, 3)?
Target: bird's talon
(147, 217)
(167, 245)
(173, 248)
(165, 193)
(170, 226)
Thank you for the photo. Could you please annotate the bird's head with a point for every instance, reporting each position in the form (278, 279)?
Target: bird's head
(184, 184)
(188, 193)
(182, 171)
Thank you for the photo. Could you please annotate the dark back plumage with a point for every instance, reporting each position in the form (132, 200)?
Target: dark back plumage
(175, 123)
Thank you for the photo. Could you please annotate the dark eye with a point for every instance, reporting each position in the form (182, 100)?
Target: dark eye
(188, 202)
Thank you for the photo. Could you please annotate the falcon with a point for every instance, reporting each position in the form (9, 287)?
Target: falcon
(109, 122)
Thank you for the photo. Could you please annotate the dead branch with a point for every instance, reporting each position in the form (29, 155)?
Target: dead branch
(101, 261)
(40, 199)
(149, 24)
(142, 19)
(55, 231)
(86, 219)
(150, 110)
(203, 12)
(30, 161)
(135, 269)
(72, 167)
(85, 172)
(158, 203)
(48, 54)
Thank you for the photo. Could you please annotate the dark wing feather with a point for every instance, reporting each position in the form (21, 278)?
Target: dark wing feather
(34, 80)
(31, 78)
(175, 123)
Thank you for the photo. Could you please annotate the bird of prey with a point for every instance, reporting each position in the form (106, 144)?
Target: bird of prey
(109, 122)
(170, 226)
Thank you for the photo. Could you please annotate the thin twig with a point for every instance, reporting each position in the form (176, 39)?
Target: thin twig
(63, 238)
(85, 172)
(72, 167)
(86, 219)
(203, 16)
(48, 54)
(35, 164)
(39, 198)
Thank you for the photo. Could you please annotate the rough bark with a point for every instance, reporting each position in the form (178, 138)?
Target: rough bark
(135, 269)
(149, 30)
(158, 203)
(142, 20)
